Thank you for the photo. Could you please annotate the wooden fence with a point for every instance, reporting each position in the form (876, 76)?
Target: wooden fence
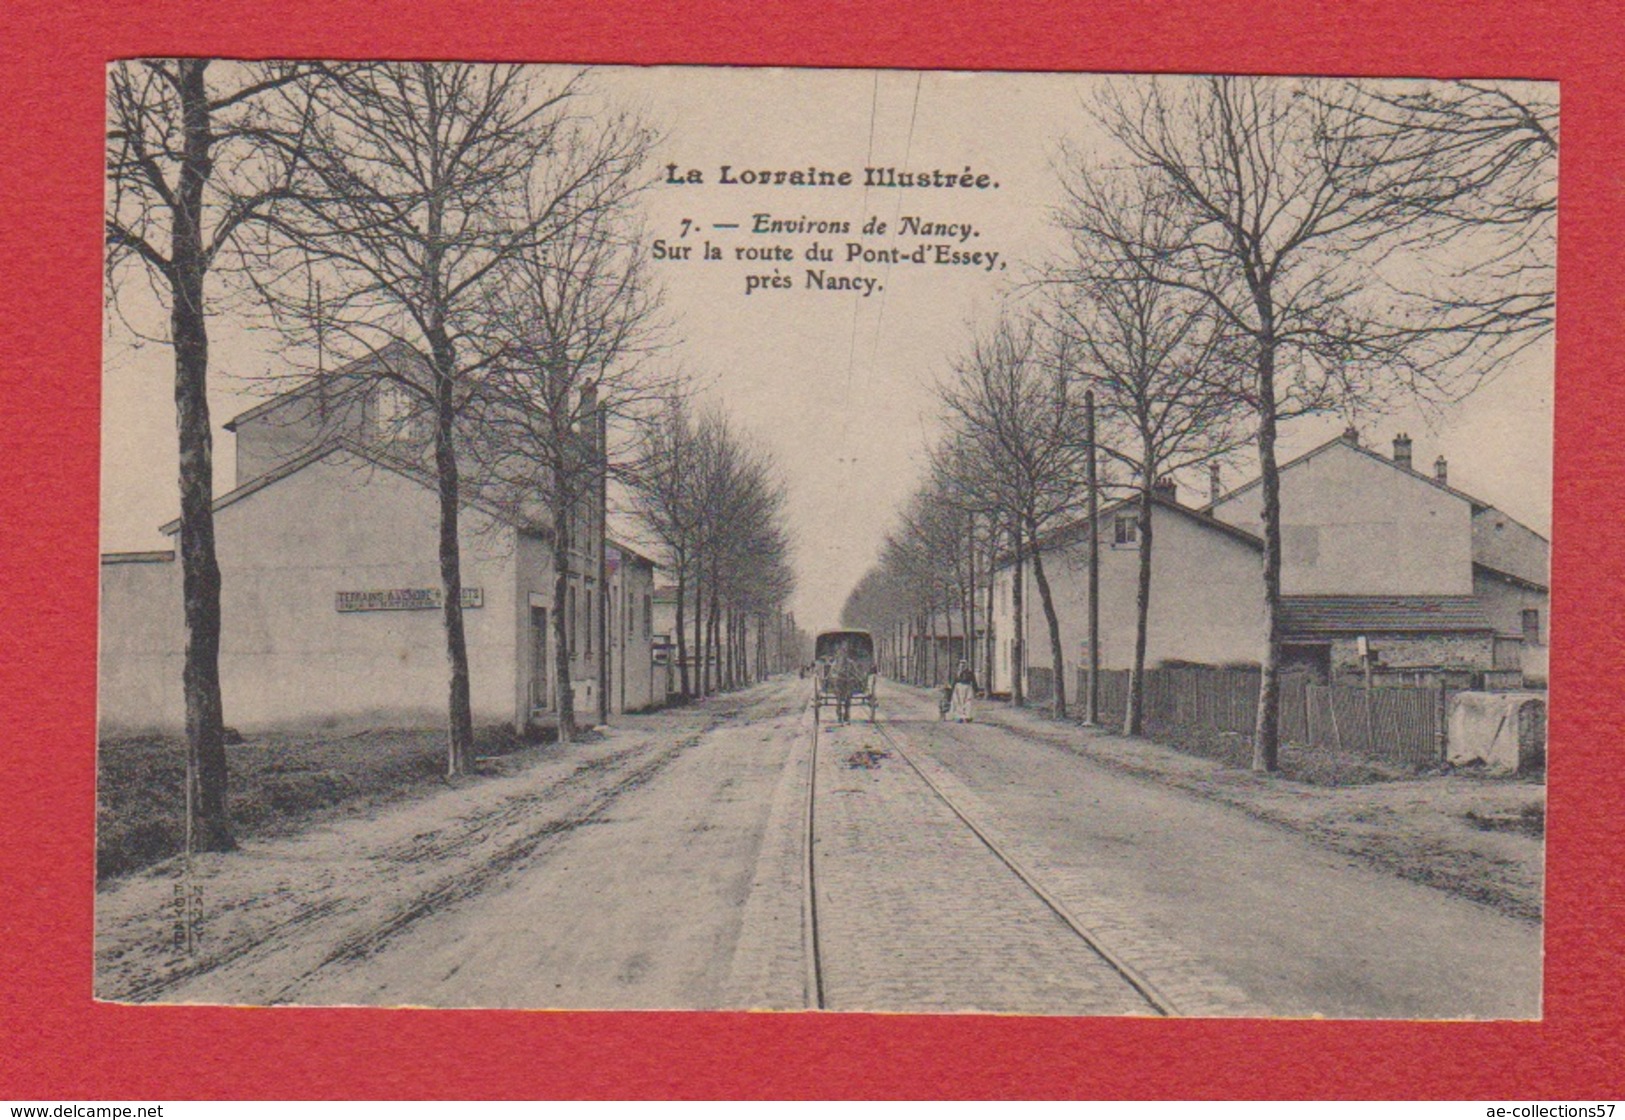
(1214, 712)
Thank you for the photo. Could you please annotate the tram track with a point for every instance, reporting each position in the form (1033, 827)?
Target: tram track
(1158, 1001)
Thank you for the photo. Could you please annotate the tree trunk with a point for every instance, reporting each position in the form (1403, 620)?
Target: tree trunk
(1267, 733)
(460, 715)
(970, 595)
(1134, 720)
(601, 543)
(1091, 701)
(1018, 630)
(730, 648)
(200, 570)
(708, 638)
(936, 652)
(562, 623)
(991, 637)
(682, 638)
(1057, 659)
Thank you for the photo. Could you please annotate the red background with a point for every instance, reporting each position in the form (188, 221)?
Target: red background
(58, 1044)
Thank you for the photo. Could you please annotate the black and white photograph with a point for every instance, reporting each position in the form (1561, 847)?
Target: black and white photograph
(785, 540)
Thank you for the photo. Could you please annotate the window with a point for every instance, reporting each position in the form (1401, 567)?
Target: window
(397, 414)
(586, 641)
(1531, 627)
(1126, 530)
(648, 616)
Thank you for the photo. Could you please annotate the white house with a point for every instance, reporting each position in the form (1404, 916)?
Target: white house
(1207, 595)
(330, 605)
(1429, 576)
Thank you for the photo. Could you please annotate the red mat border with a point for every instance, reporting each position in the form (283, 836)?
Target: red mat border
(59, 1044)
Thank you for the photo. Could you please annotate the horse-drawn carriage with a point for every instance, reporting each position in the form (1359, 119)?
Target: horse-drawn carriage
(844, 673)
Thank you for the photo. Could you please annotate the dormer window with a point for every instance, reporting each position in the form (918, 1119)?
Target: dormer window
(396, 413)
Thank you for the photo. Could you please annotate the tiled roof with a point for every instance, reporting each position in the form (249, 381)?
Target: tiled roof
(1382, 614)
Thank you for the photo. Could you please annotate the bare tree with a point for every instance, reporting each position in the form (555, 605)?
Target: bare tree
(1293, 229)
(193, 159)
(1162, 363)
(715, 501)
(574, 321)
(663, 500)
(1478, 162)
(1021, 415)
(426, 176)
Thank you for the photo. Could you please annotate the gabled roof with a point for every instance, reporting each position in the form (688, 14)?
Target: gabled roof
(1311, 615)
(1385, 460)
(628, 550)
(395, 465)
(1076, 530)
(1478, 505)
(392, 352)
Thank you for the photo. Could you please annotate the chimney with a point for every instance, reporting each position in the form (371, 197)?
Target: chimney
(1441, 471)
(1214, 491)
(1351, 435)
(1402, 450)
(1167, 489)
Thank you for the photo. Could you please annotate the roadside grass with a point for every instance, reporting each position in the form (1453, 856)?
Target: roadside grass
(1316, 766)
(279, 781)
(1459, 830)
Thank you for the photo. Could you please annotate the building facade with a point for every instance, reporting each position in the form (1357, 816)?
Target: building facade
(1206, 596)
(331, 603)
(1388, 570)
(1387, 574)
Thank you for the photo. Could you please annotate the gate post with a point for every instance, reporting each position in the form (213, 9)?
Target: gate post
(1441, 726)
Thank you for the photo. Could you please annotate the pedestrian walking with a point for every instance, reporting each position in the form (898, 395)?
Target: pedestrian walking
(963, 705)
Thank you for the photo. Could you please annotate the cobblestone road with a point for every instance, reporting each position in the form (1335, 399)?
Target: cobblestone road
(915, 913)
(1226, 913)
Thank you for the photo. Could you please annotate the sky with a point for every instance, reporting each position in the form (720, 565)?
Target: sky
(838, 385)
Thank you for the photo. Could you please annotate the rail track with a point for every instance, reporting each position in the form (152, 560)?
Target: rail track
(1158, 1001)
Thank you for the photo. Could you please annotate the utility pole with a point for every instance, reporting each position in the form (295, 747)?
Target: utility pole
(1091, 695)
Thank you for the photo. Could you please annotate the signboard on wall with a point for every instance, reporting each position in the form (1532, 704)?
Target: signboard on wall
(403, 599)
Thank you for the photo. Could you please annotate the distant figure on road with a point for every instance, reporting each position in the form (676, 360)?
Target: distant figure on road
(963, 705)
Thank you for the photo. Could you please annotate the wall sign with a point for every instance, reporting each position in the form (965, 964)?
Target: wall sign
(403, 599)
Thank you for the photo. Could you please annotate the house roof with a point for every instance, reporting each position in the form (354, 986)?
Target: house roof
(1305, 615)
(378, 458)
(159, 556)
(628, 550)
(392, 351)
(1075, 530)
(1477, 504)
(1508, 577)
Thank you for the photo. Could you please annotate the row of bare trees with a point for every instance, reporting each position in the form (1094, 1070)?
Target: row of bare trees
(482, 218)
(713, 499)
(1239, 252)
